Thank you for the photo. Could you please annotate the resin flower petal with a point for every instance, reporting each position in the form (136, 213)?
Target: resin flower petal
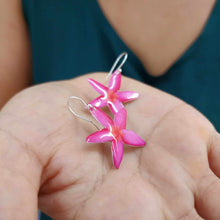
(126, 96)
(99, 102)
(110, 95)
(131, 138)
(102, 118)
(120, 119)
(115, 81)
(101, 136)
(117, 153)
(114, 131)
(98, 87)
(115, 106)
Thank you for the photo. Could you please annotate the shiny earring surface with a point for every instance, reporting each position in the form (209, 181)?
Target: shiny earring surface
(111, 95)
(114, 130)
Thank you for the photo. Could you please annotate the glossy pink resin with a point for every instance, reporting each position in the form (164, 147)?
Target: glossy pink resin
(110, 95)
(114, 131)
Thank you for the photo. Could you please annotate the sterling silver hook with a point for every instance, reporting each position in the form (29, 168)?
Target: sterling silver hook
(125, 55)
(88, 106)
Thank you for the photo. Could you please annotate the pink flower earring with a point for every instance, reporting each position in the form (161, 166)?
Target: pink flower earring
(114, 130)
(110, 95)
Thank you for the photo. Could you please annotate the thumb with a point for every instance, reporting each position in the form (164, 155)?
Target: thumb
(19, 182)
(214, 154)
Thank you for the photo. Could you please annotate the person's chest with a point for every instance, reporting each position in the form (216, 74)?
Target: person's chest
(157, 31)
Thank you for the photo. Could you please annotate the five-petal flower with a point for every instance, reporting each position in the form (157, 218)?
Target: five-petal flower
(114, 131)
(110, 95)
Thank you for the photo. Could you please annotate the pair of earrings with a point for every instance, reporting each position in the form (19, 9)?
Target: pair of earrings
(114, 130)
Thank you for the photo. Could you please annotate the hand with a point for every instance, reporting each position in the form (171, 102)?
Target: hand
(44, 159)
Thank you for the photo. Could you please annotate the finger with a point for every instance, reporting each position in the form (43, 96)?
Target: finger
(208, 197)
(18, 182)
(214, 154)
(190, 215)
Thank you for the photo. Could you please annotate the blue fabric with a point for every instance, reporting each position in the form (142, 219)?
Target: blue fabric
(72, 37)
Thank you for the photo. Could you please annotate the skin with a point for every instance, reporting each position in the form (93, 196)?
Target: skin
(158, 31)
(45, 160)
(170, 27)
(15, 59)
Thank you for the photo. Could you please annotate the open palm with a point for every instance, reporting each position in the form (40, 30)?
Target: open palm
(45, 159)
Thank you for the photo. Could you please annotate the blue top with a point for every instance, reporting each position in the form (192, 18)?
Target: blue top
(70, 38)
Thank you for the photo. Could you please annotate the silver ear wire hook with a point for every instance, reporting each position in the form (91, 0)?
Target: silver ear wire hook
(88, 106)
(116, 62)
